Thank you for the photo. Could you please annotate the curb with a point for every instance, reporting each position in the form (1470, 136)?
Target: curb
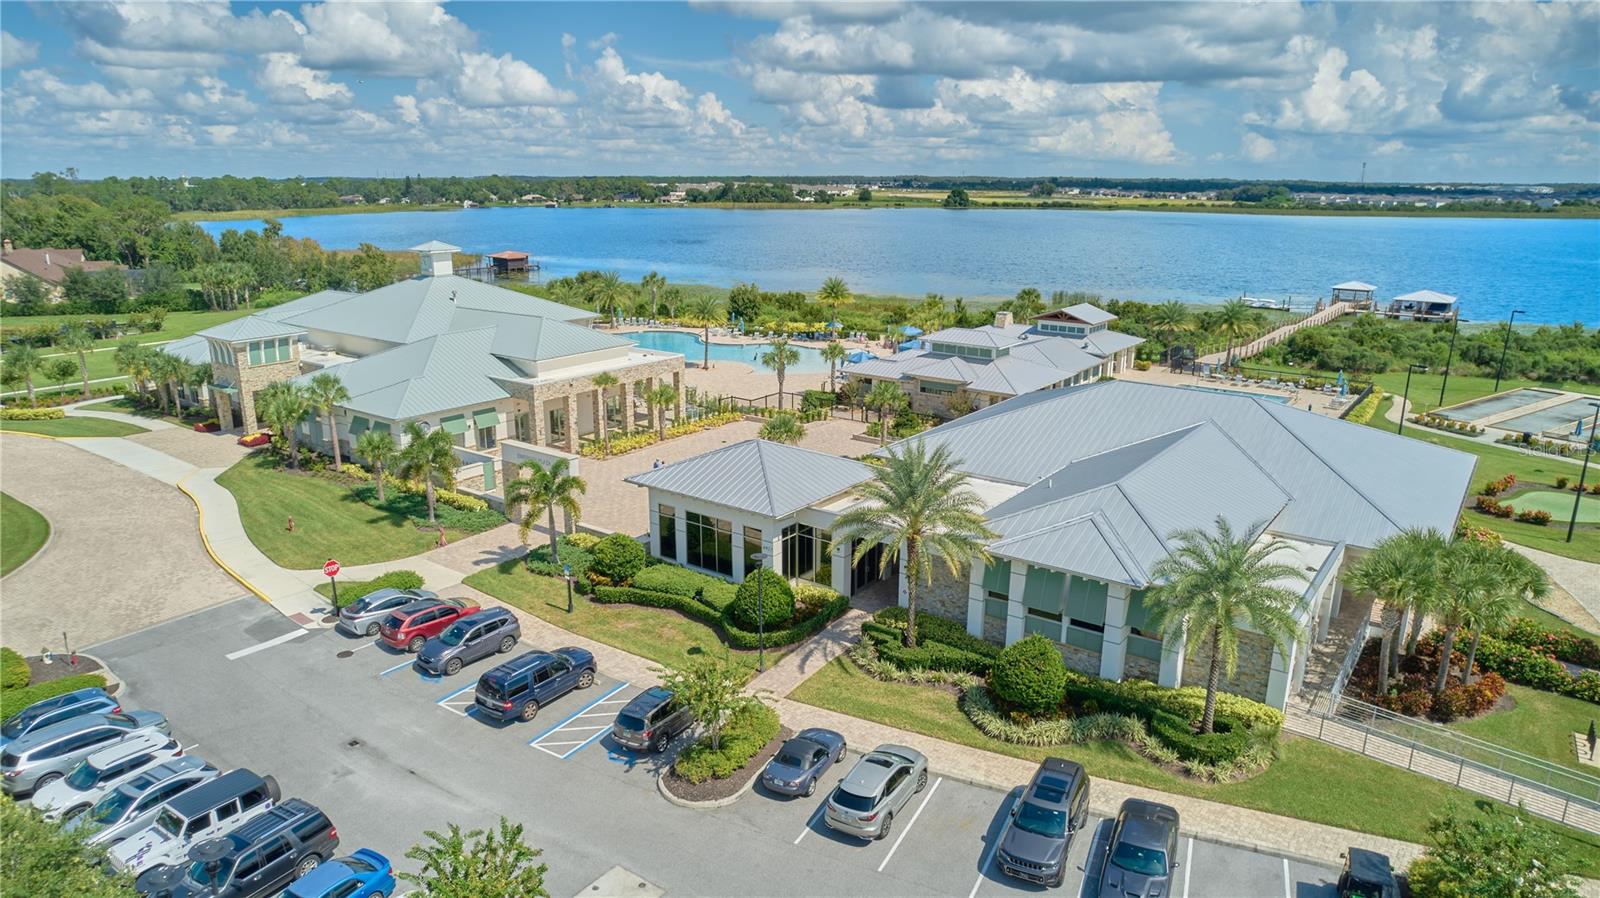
(37, 436)
(661, 786)
(200, 525)
(48, 539)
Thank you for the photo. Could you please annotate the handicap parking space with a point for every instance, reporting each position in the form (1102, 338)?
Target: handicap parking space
(583, 726)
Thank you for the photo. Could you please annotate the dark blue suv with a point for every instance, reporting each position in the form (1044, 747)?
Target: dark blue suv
(521, 686)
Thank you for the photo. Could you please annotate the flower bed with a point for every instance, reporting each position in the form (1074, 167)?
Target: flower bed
(1411, 693)
(1564, 645)
(253, 440)
(640, 439)
(1446, 424)
(1549, 447)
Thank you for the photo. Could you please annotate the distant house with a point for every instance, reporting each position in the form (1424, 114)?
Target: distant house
(507, 261)
(352, 199)
(49, 265)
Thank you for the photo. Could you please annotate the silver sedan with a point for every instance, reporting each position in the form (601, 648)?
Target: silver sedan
(362, 617)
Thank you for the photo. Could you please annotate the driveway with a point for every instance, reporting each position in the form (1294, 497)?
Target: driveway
(124, 550)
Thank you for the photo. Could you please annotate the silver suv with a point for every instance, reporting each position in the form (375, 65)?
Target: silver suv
(133, 805)
(103, 771)
(44, 756)
(866, 800)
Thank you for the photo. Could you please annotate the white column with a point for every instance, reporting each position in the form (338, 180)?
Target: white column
(1014, 607)
(1114, 643)
(841, 567)
(1172, 651)
(680, 520)
(739, 569)
(901, 597)
(772, 544)
(1278, 677)
(975, 597)
(655, 522)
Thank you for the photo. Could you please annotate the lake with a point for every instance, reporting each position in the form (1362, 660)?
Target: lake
(1548, 268)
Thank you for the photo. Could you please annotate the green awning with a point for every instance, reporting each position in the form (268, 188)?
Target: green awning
(358, 425)
(485, 417)
(381, 426)
(454, 424)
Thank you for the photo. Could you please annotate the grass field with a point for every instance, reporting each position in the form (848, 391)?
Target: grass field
(1559, 504)
(329, 520)
(1461, 387)
(24, 533)
(73, 427)
(663, 636)
(1310, 781)
(1541, 724)
(176, 326)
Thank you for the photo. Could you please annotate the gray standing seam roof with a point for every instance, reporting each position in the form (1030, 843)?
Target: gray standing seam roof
(440, 373)
(758, 476)
(194, 349)
(250, 327)
(1089, 313)
(422, 307)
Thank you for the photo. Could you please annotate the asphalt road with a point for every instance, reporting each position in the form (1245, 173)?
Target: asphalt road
(389, 753)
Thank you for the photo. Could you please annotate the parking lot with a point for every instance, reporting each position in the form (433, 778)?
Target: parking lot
(389, 752)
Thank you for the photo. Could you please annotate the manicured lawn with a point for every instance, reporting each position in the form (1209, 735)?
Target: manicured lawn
(23, 533)
(74, 427)
(1559, 504)
(663, 636)
(102, 362)
(1541, 724)
(129, 407)
(1425, 387)
(1550, 621)
(1310, 781)
(329, 520)
(175, 326)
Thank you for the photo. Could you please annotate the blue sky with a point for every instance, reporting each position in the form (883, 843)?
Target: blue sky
(1418, 91)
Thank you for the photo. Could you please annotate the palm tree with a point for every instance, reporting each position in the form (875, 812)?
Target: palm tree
(784, 427)
(377, 447)
(1167, 319)
(1403, 570)
(705, 310)
(76, 338)
(284, 405)
(429, 457)
(22, 362)
(919, 504)
(884, 396)
(835, 353)
(1027, 305)
(1519, 578)
(779, 358)
(1236, 319)
(130, 359)
(603, 381)
(660, 398)
(653, 282)
(326, 392)
(1214, 584)
(198, 376)
(1467, 573)
(609, 294)
(834, 294)
(544, 490)
(163, 369)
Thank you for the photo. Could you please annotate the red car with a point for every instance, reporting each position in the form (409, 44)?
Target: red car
(411, 625)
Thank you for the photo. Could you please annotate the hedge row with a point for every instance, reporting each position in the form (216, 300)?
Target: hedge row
(14, 673)
(747, 731)
(941, 644)
(1565, 645)
(714, 617)
(1520, 664)
(747, 639)
(1170, 714)
(14, 700)
(573, 555)
(684, 582)
(31, 414)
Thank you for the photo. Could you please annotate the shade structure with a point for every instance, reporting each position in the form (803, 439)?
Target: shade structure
(911, 330)
(485, 417)
(454, 424)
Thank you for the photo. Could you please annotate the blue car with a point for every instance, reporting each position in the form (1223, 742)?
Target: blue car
(365, 874)
(51, 711)
(797, 766)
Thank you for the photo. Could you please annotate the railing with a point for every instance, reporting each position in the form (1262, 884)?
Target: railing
(1548, 790)
(1348, 666)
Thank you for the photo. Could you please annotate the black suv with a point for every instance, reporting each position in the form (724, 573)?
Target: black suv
(651, 720)
(259, 858)
(528, 682)
(1053, 807)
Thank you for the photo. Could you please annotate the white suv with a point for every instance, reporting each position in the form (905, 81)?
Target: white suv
(103, 771)
(204, 812)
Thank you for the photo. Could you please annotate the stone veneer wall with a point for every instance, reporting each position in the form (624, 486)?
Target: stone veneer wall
(580, 388)
(252, 378)
(1081, 660)
(1249, 678)
(1142, 668)
(947, 596)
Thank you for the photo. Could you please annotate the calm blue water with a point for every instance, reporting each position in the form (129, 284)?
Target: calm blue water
(1548, 268)
(693, 349)
(1281, 400)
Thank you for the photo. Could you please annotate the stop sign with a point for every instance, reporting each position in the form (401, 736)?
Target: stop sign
(331, 568)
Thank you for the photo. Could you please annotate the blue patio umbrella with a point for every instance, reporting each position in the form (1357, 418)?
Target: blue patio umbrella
(859, 355)
(834, 325)
(911, 330)
(909, 344)
(1340, 381)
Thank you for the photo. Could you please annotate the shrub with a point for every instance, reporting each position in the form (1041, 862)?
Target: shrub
(31, 414)
(776, 601)
(617, 558)
(1534, 516)
(575, 558)
(619, 595)
(1561, 483)
(942, 645)
(584, 541)
(14, 700)
(1469, 699)
(355, 589)
(802, 627)
(812, 400)
(747, 731)
(1030, 675)
(1141, 365)
(14, 673)
(1565, 645)
(1486, 504)
(1364, 410)
(681, 581)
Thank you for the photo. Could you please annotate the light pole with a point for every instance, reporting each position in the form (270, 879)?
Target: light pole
(761, 559)
(566, 574)
(1455, 325)
(1588, 446)
(1405, 398)
(1501, 370)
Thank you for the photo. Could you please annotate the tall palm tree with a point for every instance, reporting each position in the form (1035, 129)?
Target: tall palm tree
(129, 359)
(918, 503)
(1403, 570)
(378, 449)
(884, 397)
(327, 392)
(705, 310)
(1212, 585)
(284, 405)
(1236, 320)
(609, 294)
(544, 490)
(197, 377)
(22, 362)
(77, 339)
(429, 457)
(834, 353)
(602, 382)
(1519, 578)
(784, 427)
(653, 282)
(1168, 319)
(660, 398)
(1027, 305)
(1467, 572)
(163, 369)
(834, 294)
(671, 298)
(779, 358)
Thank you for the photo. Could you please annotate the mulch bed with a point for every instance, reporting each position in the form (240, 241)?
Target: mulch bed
(40, 672)
(711, 790)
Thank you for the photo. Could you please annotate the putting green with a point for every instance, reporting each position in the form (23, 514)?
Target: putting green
(1559, 504)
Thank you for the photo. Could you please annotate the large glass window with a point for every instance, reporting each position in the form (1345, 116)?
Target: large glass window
(752, 548)
(255, 353)
(709, 543)
(931, 386)
(805, 553)
(667, 531)
(558, 424)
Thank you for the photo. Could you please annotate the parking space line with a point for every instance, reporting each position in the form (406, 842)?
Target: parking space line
(1188, 866)
(603, 731)
(912, 822)
(364, 645)
(541, 744)
(406, 663)
(988, 855)
(263, 646)
(445, 702)
(815, 816)
(1288, 884)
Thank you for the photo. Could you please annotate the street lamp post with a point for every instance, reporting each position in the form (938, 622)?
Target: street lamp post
(1405, 398)
(761, 559)
(566, 574)
(1455, 326)
(1588, 447)
(1501, 369)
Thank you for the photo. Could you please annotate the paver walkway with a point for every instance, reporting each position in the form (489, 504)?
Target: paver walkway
(1580, 579)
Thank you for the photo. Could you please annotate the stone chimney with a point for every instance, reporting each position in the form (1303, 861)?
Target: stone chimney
(1003, 319)
(435, 258)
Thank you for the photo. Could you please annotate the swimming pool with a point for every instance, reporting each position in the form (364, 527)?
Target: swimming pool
(1281, 400)
(1474, 409)
(693, 349)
